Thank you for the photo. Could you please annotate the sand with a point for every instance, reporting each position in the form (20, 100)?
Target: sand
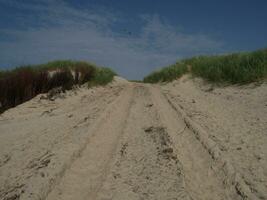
(182, 140)
(234, 119)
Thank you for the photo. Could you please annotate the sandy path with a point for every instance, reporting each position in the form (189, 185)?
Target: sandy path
(122, 141)
(145, 166)
(141, 156)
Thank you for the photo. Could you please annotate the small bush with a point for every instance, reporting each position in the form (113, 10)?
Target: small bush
(41, 82)
(84, 72)
(20, 85)
(62, 79)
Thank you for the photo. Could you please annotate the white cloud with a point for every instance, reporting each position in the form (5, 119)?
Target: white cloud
(66, 32)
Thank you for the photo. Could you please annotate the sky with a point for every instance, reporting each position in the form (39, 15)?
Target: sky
(133, 37)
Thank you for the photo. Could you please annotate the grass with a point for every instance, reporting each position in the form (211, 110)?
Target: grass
(167, 74)
(102, 76)
(237, 68)
(23, 83)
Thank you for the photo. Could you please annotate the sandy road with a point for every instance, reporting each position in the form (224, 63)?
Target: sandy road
(137, 154)
(125, 141)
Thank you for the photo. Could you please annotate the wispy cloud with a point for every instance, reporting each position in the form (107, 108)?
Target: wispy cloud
(61, 31)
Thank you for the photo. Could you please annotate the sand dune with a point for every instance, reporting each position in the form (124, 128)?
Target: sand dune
(182, 140)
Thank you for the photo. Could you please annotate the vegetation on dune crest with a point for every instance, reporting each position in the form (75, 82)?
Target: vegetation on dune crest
(23, 83)
(167, 74)
(102, 76)
(234, 68)
(237, 68)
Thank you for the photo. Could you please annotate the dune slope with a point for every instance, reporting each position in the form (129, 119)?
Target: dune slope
(182, 140)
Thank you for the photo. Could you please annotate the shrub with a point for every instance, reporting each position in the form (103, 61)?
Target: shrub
(62, 78)
(84, 72)
(23, 83)
(17, 86)
(41, 82)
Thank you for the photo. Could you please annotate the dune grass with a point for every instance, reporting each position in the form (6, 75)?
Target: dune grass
(102, 76)
(237, 68)
(23, 83)
(167, 74)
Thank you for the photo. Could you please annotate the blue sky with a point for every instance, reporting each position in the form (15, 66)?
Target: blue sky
(134, 37)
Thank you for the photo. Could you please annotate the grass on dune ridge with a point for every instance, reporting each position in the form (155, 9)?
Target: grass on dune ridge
(167, 74)
(102, 76)
(23, 83)
(236, 68)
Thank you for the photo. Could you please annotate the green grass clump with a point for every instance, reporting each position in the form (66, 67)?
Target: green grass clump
(167, 74)
(102, 76)
(237, 68)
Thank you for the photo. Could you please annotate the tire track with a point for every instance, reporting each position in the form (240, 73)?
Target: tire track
(145, 166)
(230, 177)
(86, 174)
(198, 165)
